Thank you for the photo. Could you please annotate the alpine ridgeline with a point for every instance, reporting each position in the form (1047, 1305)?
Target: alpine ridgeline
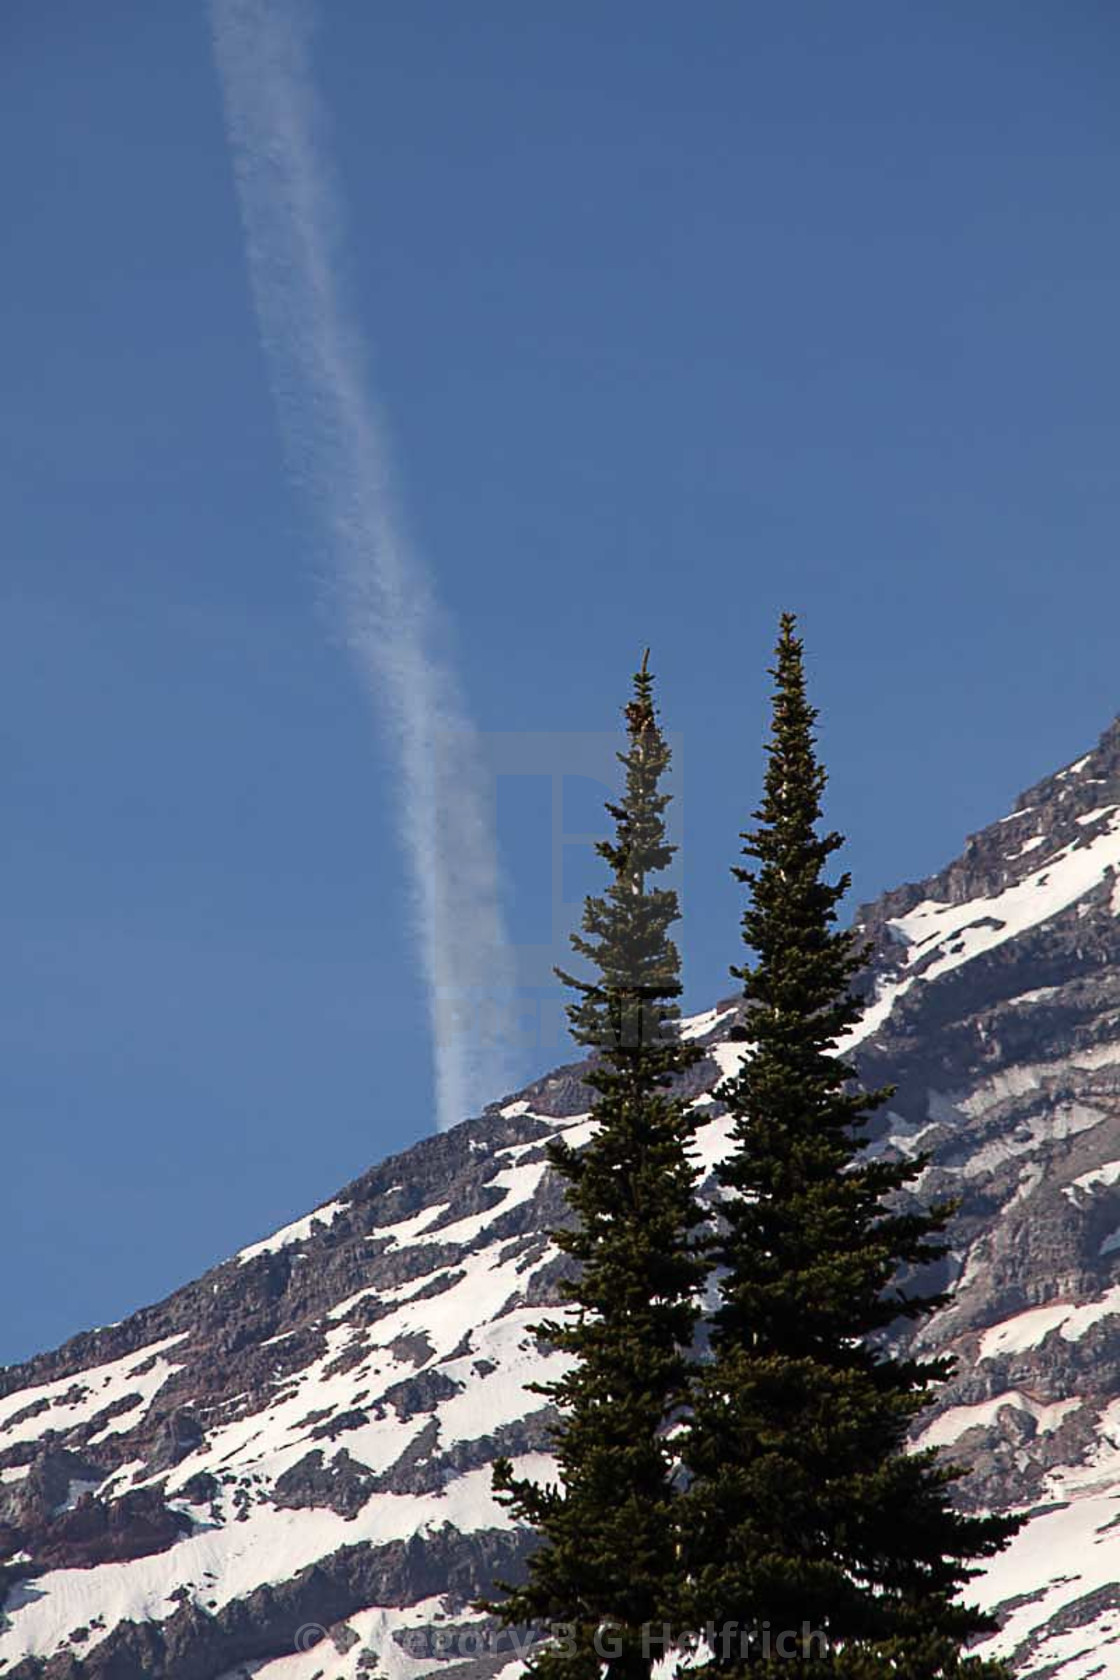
(284, 1470)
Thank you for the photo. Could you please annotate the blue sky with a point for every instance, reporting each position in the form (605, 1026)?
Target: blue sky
(678, 317)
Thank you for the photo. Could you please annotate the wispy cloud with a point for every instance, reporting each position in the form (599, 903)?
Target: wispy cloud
(337, 451)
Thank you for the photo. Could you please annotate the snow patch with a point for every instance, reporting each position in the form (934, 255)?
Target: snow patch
(298, 1231)
(695, 1026)
(1099, 1178)
(729, 1057)
(951, 1425)
(80, 1397)
(1028, 1329)
(1060, 1557)
(217, 1565)
(941, 937)
(406, 1230)
(1041, 994)
(518, 1184)
(1031, 845)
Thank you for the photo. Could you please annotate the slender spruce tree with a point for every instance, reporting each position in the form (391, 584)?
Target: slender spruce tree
(805, 1512)
(607, 1557)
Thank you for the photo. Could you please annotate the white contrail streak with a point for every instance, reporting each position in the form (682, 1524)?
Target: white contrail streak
(316, 357)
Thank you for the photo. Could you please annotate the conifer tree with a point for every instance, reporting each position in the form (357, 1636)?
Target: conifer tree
(805, 1512)
(607, 1553)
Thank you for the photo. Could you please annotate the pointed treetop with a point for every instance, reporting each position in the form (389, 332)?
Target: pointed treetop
(641, 713)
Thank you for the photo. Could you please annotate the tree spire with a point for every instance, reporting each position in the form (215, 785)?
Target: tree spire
(806, 1511)
(607, 1553)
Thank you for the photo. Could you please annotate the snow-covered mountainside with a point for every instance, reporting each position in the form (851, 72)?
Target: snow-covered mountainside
(283, 1471)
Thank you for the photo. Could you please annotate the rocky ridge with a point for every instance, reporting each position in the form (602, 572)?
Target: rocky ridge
(282, 1470)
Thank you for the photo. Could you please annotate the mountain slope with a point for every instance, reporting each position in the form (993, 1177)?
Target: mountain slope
(283, 1469)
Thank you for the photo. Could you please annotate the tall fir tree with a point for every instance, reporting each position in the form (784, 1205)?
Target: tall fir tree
(608, 1550)
(805, 1511)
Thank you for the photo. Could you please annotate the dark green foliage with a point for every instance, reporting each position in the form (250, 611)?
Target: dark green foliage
(804, 1506)
(608, 1551)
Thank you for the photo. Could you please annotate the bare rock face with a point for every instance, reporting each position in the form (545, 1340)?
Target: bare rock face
(283, 1469)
